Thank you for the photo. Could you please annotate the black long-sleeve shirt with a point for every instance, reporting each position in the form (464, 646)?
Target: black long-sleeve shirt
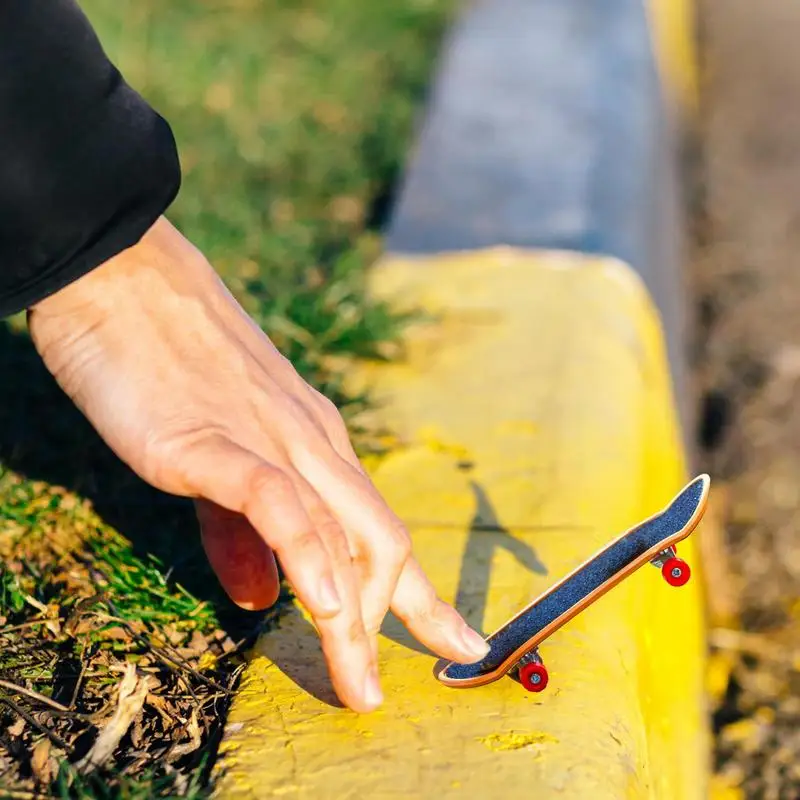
(86, 166)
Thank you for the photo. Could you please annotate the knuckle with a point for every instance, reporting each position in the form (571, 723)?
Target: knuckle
(425, 608)
(171, 452)
(271, 485)
(400, 544)
(333, 535)
(355, 632)
(395, 549)
(338, 547)
(296, 417)
(327, 410)
(335, 428)
(329, 529)
(305, 542)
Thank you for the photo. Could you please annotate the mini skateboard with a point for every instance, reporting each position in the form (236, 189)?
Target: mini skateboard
(515, 645)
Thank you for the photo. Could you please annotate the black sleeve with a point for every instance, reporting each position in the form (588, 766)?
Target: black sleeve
(86, 166)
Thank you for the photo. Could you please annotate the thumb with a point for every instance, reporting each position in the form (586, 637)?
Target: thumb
(242, 561)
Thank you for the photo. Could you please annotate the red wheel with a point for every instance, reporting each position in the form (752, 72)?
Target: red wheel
(676, 572)
(533, 677)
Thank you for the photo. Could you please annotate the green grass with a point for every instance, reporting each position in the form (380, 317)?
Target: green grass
(145, 786)
(293, 119)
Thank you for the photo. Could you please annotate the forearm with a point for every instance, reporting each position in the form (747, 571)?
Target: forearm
(86, 166)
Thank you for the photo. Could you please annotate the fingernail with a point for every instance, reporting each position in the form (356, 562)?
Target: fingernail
(328, 596)
(372, 689)
(474, 642)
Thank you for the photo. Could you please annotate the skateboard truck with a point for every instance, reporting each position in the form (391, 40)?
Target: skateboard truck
(531, 671)
(676, 571)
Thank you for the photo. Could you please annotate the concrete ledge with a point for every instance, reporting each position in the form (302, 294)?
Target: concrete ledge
(545, 373)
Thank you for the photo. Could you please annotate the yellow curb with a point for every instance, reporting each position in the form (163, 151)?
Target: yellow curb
(535, 421)
(673, 28)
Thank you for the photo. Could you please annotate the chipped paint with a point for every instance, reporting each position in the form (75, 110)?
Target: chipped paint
(516, 741)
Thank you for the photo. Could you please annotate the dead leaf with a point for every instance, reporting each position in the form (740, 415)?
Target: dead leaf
(207, 661)
(198, 642)
(137, 732)
(132, 693)
(163, 709)
(84, 624)
(173, 635)
(195, 740)
(116, 633)
(43, 765)
(32, 601)
(16, 728)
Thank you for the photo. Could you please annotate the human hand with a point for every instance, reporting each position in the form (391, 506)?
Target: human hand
(193, 396)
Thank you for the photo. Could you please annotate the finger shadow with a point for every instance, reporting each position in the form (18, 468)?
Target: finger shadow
(394, 630)
(292, 644)
(486, 536)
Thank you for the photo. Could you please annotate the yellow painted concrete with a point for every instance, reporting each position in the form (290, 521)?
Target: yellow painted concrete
(673, 27)
(545, 373)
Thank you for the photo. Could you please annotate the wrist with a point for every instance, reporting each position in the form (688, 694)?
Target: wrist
(162, 257)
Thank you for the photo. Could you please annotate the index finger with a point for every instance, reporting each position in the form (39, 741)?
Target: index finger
(433, 622)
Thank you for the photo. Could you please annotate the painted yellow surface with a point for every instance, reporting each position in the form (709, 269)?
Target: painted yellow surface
(534, 422)
(722, 789)
(673, 27)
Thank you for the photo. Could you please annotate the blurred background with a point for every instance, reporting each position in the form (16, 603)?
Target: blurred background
(294, 119)
(746, 292)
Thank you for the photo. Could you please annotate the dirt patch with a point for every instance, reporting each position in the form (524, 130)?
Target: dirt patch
(746, 278)
(113, 678)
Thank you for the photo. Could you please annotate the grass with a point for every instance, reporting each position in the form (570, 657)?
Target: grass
(293, 119)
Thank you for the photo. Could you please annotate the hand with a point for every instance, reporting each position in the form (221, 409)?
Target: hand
(191, 394)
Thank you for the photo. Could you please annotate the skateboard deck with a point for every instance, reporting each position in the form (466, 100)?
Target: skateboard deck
(514, 646)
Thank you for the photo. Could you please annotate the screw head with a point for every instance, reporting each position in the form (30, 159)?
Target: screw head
(676, 572)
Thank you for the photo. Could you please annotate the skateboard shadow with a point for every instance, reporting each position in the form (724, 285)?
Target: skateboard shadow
(486, 536)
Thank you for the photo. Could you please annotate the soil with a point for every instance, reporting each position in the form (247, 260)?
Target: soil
(746, 281)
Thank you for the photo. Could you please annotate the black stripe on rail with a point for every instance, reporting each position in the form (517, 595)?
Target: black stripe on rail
(602, 568)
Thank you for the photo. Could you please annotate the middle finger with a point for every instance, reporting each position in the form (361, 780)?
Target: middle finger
(350, 657)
